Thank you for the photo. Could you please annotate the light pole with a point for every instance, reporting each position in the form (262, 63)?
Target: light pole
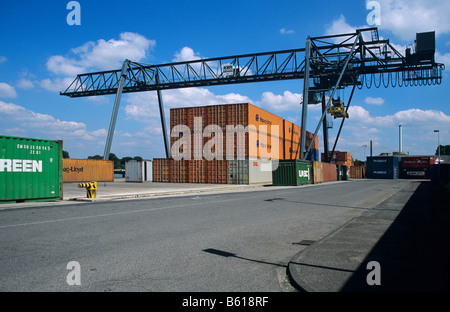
(365, 151)
(439, 153)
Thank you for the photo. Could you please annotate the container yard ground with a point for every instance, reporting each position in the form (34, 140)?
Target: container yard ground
(121, 190)
(407, 234)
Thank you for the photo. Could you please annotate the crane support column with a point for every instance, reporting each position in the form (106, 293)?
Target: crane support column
(163, 118)
(325, 131)
(305, 99)
(112, 125)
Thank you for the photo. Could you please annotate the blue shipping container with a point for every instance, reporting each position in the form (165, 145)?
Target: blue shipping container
(383, 167)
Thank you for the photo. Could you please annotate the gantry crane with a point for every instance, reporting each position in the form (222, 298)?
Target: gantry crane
(326, 64)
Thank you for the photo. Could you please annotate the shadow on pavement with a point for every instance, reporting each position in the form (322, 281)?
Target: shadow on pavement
(414, 253)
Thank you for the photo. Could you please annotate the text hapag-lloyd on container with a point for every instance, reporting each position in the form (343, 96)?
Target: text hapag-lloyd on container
(20, 165)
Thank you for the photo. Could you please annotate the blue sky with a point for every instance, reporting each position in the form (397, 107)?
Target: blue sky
(41, 54)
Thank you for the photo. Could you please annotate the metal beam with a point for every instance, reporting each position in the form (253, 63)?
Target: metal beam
(344, 69)
(325, 130)
(305, 99)
(163, 120)
(115, 111)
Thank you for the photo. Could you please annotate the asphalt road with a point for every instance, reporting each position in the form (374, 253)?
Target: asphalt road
(221, 242)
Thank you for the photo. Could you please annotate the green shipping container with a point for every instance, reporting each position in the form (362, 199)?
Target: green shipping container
(292, 172)
(344, 173)
(339, 172)
(30, 169)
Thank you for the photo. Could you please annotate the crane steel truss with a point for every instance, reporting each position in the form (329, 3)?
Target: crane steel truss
(327, 63)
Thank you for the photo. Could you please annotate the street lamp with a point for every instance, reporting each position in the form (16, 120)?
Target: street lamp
(439, 153)
(365, 151)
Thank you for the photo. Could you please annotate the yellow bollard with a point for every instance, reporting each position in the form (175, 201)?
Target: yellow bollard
(91, 189)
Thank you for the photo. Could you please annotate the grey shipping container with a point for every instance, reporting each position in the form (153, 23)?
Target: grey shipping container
(138, 171)
(30, 169)
(250, 171)
(383, 167)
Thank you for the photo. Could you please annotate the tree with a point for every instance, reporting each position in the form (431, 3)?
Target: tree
(65, 154)
(116, 160)
(445, 150)
(97, 157)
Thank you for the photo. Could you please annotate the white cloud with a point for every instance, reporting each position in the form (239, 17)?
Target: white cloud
(443, 58)
(3, 59)
(285, 31)
(25, 84)
(57, 84)
(142, 106)
(101, 55)
(7, 91)
(405, 18)
(288, 101)
(374, 101)
(37, 124)
(413, 117)
(186, 54)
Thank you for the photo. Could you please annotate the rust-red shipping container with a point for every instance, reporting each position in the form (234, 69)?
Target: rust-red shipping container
(339, 156)
(198, 171)
(329, 172)
(179, 171)
(357, 172)
(417, 161)
(162, 169)
(217, 171)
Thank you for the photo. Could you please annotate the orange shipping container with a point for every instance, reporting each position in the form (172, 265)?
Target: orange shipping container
(86, 170)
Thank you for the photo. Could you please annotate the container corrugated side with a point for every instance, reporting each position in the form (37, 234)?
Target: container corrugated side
(356, 172)
(383, 167)
(329, 172)
(85, 170)
(317, 172)
(30, 169)
(161, 169)
(292, 173)
(138, 171)
(238, 171)
(417, 161)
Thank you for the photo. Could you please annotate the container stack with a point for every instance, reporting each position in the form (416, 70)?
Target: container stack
(241, 155)
(339, 158)
(416, 167)
(383, 167)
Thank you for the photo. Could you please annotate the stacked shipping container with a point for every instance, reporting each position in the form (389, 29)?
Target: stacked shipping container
(339, 158)
(383, 167)
(268, 135)
(255, 136)
(416, 167)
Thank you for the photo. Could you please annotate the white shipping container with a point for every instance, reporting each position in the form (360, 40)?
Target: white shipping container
(138, 171)
(250, 171)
